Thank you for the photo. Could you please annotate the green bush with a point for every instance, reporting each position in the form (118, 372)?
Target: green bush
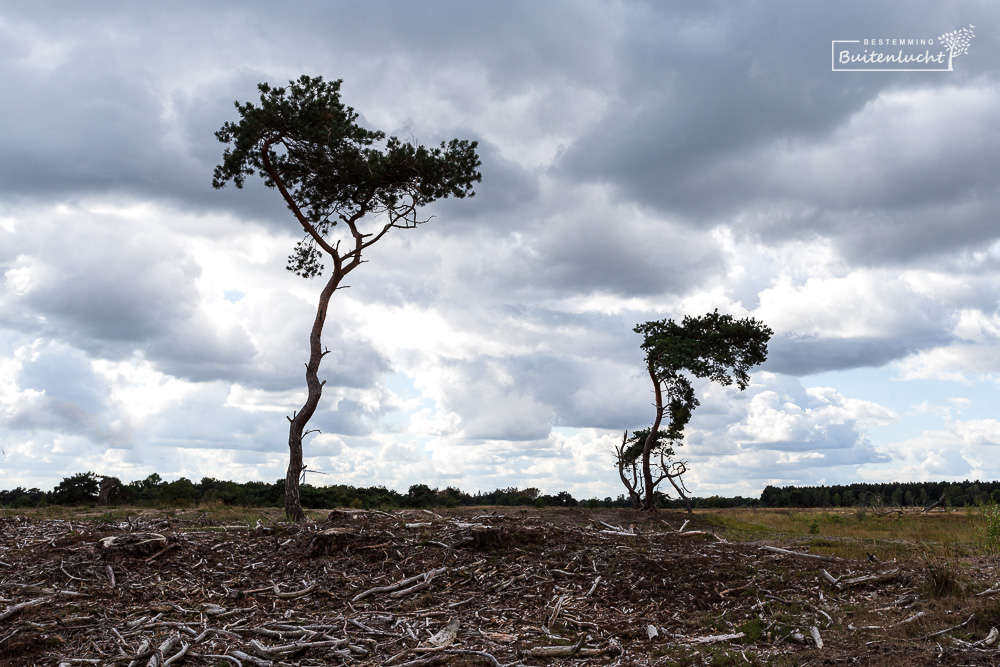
(989, 529)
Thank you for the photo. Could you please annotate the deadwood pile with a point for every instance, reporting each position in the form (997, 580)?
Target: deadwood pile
(460, 587)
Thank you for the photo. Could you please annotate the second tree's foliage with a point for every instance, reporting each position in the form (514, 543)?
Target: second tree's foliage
(718, 347)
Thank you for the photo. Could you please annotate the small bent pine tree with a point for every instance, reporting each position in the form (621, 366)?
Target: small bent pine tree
(713, 346)
(346, 187)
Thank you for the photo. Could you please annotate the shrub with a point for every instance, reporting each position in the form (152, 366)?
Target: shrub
(989, 529)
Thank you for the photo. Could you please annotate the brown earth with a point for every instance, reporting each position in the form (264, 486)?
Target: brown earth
(469, 587)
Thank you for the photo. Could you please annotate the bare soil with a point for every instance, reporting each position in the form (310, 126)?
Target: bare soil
(470, 587)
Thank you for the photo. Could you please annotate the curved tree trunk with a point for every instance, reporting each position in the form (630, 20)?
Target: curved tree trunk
(648, 504)
(298, 420)
(633, 486)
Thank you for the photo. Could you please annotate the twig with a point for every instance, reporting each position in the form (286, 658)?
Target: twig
(482, 654)
(919, 614)
(250, 659)
(296, 594)
(224, 657)
(160, 552)
(941, 632)
(10, 611)
(435, 659)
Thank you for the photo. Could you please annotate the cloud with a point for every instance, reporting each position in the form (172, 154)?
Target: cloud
(640, 162)
(972, 352)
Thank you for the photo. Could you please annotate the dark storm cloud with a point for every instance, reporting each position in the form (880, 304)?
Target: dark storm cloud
(591, 253)
(109, 299)
(508, 190)
(805, 355)
(705, 109)
(102, 109)
(933, 230)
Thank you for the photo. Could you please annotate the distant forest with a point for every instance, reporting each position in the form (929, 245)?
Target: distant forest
(89, 489)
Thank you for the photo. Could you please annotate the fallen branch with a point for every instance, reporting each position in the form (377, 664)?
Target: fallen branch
(505, 584)
(482, 654)
(17, 608)
(441, 641)
(715, 638)
(295, 594)
(564, 651)
(169, 643)
(131, 540)
(616, 529)
(143, 653)
(227, 658)
(841, 583)
(250, 659)
(160, 552)
(789, 552)
(990, 639)
(882, 576)
(555, 611)
(426, 583)
(423, 578)
(939, 501)
(919, 614)
(272, 652)
(946, 630)
(436, 659)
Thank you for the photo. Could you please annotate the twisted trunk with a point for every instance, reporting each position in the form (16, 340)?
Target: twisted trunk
(633, 486)
(314, 386)
(648, 504)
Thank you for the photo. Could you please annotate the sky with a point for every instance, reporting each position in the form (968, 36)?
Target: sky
(641, 161)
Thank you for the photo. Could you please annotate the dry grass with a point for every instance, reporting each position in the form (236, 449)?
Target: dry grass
(852, 533)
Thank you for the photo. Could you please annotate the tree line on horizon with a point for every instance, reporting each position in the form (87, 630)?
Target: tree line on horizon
(892, 494)
(153, 491)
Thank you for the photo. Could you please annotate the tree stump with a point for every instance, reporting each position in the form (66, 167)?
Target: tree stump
(328, 541)
(487, 538)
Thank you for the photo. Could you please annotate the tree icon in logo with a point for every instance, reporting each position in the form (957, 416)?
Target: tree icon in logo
(958, 42)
